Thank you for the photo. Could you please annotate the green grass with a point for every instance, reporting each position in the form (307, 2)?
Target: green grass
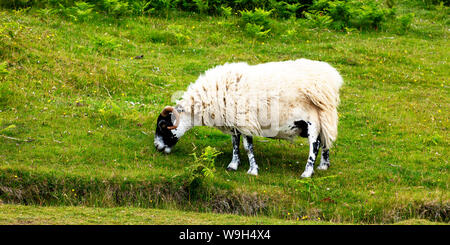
(71, 215)
(74, 134)
(79, 215)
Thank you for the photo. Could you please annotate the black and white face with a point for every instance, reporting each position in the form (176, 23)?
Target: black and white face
(165, 139)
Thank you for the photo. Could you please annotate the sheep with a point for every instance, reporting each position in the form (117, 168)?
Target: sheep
(280, 100)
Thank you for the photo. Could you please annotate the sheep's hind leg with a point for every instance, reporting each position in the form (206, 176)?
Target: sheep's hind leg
(314, 144)
(248, 146)
(324, 159)
(235, 161)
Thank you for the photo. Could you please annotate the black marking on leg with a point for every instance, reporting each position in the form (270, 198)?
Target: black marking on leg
(249, 149)
(315, 146)
(249, 143)
(303, 126)
(235, 139)
(326, 155)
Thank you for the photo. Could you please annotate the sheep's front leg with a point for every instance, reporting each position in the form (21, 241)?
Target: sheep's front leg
(235, 161)
(248, 146)
(314, 144)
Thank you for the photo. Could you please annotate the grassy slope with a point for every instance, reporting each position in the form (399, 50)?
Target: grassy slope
(70, 88)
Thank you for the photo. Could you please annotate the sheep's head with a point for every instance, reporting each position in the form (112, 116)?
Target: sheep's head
(165, 139)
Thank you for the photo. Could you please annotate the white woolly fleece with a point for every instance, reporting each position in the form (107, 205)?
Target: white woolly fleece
(265, 99)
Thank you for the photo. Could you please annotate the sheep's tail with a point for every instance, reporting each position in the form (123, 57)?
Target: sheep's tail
(325, 96)
(328, 127)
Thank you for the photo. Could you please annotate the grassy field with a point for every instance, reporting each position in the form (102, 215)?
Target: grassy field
(78, 112)
(70, 215)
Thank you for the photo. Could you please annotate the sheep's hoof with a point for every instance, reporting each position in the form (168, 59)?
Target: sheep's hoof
(323, 167)
(307, 174)
(253, 171)
(233, 166)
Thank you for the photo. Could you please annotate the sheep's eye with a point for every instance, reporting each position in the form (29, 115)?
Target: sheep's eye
(162, 125)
